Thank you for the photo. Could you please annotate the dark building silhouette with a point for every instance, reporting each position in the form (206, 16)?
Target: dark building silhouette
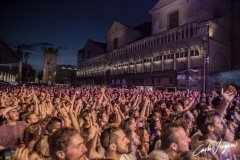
(10, 64)
(66, 74)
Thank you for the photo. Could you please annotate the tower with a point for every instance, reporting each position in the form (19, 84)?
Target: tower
(50, 65)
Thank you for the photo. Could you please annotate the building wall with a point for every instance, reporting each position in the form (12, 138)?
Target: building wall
(123, 34)
(200, 42)
(92, 50)
(151, 57)
(219, 42)
(189, 11)
(236, 35)
(219, 57)
(80, 57)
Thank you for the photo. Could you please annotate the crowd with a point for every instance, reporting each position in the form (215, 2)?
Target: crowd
(90, 122)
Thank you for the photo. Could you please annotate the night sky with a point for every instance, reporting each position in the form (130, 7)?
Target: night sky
(65, 24)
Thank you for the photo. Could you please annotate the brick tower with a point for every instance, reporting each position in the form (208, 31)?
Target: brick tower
(50, 65)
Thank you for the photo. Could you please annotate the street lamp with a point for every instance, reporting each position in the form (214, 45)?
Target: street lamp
(206, 61)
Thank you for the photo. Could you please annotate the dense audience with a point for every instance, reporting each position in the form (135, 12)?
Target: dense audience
(90, 122)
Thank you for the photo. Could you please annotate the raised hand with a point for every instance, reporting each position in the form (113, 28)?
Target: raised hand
(229, 93)
(93, 130)
(72, 103)
(48, 97)
(78, 91)
(16, 101)
(63, 112)
(195, 94)
(214, 94)
(35, 98)
(21, 154)
(49, 110)
(103, 89)
(43, 111)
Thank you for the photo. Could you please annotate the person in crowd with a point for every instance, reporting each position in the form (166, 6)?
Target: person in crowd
(42, 146)
(67, 144)
(213, 130)
(115, 123)
(155, 133)
(35, 130)
(129, 127)
(143, 148)
(12, 131)
(174, 141)
(116, 144)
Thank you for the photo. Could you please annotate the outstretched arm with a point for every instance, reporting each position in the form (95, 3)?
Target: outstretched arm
(228, 96)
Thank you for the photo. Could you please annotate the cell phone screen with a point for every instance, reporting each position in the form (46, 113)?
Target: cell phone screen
(8, 154)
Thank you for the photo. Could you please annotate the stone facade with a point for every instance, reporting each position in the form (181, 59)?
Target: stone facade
(186, 35)
(50, 66)
(90, 50)
(120, 35)
(236, 35)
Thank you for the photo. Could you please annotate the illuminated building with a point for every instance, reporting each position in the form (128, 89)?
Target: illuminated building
(190, 40)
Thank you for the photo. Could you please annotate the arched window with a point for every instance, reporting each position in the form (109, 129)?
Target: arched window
(173, 35)
(183, 34)
(187, 33)
(191, 31)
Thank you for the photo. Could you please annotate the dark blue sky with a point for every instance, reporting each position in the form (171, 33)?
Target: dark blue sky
(65, 24)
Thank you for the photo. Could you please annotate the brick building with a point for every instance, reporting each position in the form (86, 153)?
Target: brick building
(50, 65)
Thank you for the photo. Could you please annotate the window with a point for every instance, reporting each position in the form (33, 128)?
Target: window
(165, 57)
(173, 37)
(168, 56)
(181, 54)
(187, 33)
(191, 31)
(177, 55)
(192, 53)
(115, 43)
(158, 41)
(196, 53)
(177, 35)
(173, 20)
(169, 38)
(182, 34)
(158, 58)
